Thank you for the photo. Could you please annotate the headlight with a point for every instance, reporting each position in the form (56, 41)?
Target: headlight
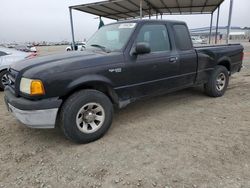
(32, 87)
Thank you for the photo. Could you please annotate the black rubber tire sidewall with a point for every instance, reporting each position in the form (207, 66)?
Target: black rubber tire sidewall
(210, 87)
(70, 109)
(1, 75)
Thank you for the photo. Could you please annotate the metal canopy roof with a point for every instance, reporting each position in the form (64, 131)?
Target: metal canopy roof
(125, 9)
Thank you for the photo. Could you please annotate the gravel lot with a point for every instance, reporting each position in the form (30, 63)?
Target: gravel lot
(184, 139)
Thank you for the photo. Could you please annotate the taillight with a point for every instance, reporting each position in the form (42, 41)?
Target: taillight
(242, 56)
(31, 56)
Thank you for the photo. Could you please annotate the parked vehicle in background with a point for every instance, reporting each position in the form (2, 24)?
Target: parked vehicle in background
(79, 46)
(26, 48)
(7, 58)
(122, 62)
(198, 40)
(33, 49)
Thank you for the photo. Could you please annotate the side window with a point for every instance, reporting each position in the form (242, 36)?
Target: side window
(182, 37)
(156, 36)
(2, 53)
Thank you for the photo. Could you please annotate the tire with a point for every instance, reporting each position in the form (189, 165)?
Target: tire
(82, 123)
(218, 82)
(2, 74)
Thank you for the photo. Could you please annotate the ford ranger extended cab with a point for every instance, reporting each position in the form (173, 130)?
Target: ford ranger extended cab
(121, 63)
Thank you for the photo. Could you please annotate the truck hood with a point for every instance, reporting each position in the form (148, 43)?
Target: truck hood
(67, 61)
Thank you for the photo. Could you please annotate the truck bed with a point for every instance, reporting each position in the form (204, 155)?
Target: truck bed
(229, 55)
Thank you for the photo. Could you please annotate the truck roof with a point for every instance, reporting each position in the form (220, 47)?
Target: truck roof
(148, 21)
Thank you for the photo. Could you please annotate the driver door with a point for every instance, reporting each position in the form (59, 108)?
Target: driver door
(156, 71)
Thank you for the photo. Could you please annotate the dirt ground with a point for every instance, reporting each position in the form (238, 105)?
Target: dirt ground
(180, 140)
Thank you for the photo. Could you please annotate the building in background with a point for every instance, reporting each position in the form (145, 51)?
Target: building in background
(236, 33)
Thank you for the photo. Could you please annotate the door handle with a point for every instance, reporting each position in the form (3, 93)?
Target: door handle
(173, 59)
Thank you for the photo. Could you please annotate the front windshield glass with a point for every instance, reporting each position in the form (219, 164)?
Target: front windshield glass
(111, 37)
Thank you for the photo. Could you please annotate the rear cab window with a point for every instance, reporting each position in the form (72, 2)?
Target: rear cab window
(182, 37)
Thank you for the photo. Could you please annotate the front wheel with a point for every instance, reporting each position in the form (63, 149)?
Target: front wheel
(218, 82)
(3, 80)
(86, 116)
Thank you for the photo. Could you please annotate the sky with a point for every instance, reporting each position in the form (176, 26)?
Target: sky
(48, 20)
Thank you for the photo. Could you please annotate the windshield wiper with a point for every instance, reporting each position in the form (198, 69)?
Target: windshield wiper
(101, 47)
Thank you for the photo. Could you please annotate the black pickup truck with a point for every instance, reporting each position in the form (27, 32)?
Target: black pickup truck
(122, 62)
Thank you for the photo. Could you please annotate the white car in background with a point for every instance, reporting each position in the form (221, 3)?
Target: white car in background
(80, 46)
(7, 57)
(26, 48)
(196, 40)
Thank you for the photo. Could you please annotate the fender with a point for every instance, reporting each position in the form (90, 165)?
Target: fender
(87, 79)
(92, 81)
(225, 61)
(224, 58)
(4, 67)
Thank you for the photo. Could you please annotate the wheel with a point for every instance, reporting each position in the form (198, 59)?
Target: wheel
(218, 82)
(3, 80)
(68, 50)
(86, 116)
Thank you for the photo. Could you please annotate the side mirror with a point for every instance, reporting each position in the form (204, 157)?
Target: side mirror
(142, 48)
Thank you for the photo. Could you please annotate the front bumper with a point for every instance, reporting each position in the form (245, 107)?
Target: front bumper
(34, 114)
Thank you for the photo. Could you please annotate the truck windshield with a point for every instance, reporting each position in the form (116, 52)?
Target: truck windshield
(111, 37)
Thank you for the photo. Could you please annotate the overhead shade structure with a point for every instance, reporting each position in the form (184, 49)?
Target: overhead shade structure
(127, 9)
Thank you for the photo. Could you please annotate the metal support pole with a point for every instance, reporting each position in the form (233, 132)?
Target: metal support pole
(157, 16)
(161, 16)
(141, 9)
(211, 26)
(217, 24)
(149, 12)
(72, 29)
(229, 20)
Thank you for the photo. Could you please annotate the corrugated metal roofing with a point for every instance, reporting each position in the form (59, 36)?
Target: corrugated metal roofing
(126, 9)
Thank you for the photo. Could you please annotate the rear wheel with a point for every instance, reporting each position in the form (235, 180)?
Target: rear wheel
(86, 116)
(218, 82)
(3, 80)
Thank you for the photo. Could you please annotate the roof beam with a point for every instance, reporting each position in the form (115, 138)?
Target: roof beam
(194, 6)
(104, 14)
(135, 11)
(166, 6)
(146, 10)
(131, 2)
(178, 5)
(95, 9)
(205, 4)
(123, 8)
(217, 6)
(192, 1)
(118, 12)
(153, 6)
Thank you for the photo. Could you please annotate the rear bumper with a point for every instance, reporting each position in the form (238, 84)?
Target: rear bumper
(34, 114)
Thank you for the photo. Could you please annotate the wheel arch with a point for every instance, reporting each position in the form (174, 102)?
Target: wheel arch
(226, 62)
(95, 82)
(3, 69)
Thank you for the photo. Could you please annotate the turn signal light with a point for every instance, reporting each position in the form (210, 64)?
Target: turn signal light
(36, 87)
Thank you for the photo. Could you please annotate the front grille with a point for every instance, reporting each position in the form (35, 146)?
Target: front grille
(12, 75)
